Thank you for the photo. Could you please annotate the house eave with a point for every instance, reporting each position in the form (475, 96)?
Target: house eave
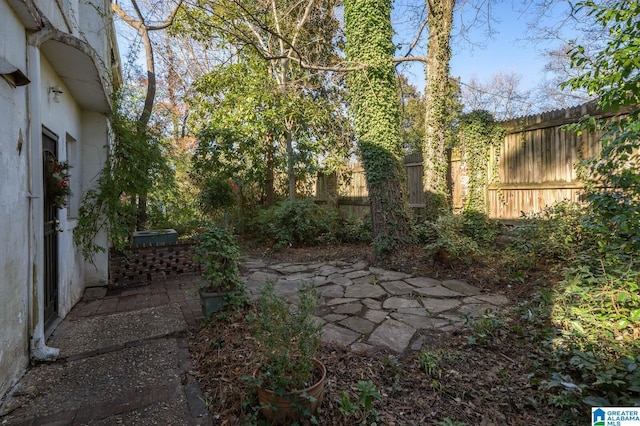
(27, 12)
(80, 69)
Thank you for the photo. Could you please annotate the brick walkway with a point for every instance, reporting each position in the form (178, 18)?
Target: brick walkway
(98, 301)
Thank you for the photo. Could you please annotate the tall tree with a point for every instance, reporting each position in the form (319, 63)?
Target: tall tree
(440, 22)
(501, 95)
(286, 35)
(374, 99)
(143, 29)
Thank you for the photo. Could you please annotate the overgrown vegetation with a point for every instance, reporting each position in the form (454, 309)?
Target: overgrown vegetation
(480, 137)
(585, 323)
(136, 163)
(373, 93)
(303, 222)
(457, 237)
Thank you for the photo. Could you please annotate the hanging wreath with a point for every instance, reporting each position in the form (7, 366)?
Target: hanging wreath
(57, 182)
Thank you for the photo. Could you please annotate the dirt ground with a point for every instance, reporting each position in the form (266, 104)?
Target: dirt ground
(487, 375)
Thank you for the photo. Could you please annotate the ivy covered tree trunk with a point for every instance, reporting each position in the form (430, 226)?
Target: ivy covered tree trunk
(437, 93)
(375, 105)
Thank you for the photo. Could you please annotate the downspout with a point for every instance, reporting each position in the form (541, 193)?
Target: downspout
(37, 346)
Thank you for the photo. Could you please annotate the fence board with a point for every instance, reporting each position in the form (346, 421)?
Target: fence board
(535, 167)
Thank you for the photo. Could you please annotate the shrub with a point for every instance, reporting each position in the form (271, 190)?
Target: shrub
(597, 318)
(353, 230)
(288, 338)
(217, 193)
(558, 233)
(296, 222)
(446, 238)
(477, 226)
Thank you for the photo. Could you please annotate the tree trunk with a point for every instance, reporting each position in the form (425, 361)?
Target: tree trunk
(437, 91)
(290, 172)
(376, 109)
(269, 184)
(143, 120)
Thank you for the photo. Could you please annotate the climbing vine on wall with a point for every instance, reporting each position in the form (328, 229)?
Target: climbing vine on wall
(479, 136)
(136, 163)
(376, 110)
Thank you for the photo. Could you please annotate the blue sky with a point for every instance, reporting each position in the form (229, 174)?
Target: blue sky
(508, 50)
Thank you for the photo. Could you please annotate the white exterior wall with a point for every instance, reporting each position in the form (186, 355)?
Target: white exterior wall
(14, 208)
(95, 131)
(79, 120)
(63, 119)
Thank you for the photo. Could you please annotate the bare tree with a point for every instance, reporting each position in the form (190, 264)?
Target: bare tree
(549, 93)
(143, 28)
(501, 95)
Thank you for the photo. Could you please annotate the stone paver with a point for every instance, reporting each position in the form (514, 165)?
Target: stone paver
(358, 324)
(376, 316)
(331, 291)
(397, 287)
(339, 279)
(349, 308)
(400, 303)
(365, 307)
(440, 305)
(342, 301)
(494, 299)
(393, 334)
(357, 274)
(461, 287)
(423, 282)
(332, 333)
(364, 291)
(438, 291)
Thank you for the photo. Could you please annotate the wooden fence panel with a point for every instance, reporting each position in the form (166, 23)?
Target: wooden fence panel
(535, 167)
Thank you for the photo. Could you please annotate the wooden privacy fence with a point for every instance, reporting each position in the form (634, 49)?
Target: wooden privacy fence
(349, 192)
(535, 167)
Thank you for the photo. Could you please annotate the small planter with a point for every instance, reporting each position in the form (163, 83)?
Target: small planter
(287, 408)
(212, 303)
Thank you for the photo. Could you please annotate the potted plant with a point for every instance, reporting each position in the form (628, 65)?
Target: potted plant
(290, 381)
(218, 253)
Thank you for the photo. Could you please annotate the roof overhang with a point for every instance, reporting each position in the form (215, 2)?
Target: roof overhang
(80, 69)
(27, 12)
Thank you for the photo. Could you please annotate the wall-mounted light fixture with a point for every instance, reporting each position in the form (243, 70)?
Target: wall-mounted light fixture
(57, 91)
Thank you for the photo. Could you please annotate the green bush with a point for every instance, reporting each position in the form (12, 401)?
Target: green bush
(297, 222)
(446, 238)
(288, 338)
(353, 230)
(558, 233)
(597, 318)
(477, 226)
(216, 194)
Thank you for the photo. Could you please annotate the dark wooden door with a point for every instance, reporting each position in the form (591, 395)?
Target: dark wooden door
(49, 153)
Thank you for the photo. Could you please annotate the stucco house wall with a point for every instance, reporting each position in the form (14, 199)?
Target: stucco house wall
(70, 45)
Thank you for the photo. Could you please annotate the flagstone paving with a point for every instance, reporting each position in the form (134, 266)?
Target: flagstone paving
(124, 360)
(364, 306)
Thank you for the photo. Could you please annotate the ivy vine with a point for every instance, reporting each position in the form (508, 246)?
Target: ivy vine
(479, 136)
(136, 162)
(375, 105)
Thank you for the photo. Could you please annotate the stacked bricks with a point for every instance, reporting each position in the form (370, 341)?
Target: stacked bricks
(145, 263)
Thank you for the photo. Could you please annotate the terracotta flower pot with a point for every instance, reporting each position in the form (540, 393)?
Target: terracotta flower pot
(287, 408)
